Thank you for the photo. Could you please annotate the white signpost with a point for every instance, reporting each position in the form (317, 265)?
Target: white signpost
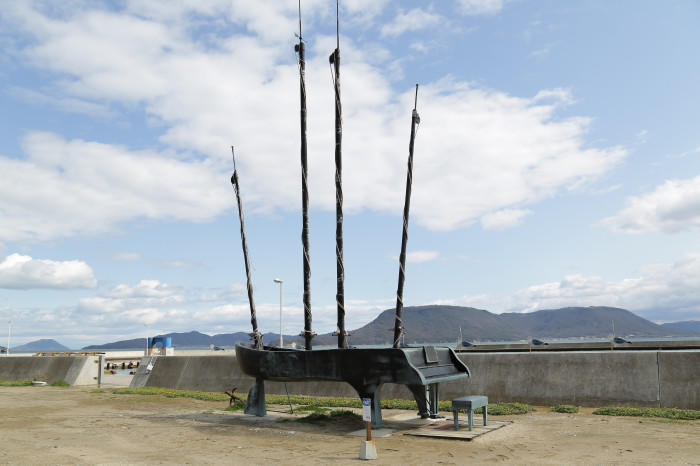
(368, 450)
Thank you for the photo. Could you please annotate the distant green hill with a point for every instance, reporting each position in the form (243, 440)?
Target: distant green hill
(441, 324)
(687, 325)
(44, 344)
(435, 323)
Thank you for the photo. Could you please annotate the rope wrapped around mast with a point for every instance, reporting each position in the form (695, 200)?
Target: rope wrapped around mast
(334, 60)
(256, 335)
(308, 334)
(398, 323)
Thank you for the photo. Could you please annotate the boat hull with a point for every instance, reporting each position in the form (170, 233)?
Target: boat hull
(420, 368)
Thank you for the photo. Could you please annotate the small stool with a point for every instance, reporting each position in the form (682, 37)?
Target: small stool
(470, 403)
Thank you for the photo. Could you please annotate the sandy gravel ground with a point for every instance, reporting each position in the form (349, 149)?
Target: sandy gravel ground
(53, 425)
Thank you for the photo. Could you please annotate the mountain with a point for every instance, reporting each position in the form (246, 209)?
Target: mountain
(188, 340)
(442, 324)
(435, 324)
(687, 325)
(594, 321)
(44, 344)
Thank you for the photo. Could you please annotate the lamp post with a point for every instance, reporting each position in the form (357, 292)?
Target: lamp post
(277, 280)
(146, 351)
(9, 332)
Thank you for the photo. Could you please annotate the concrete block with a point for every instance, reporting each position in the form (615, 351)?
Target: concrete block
(75, 370)
(368, 450)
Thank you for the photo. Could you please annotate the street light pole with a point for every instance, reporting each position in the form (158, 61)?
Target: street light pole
(277, 280)
(9, 332)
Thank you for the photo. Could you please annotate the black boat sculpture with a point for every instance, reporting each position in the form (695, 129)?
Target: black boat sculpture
(420, 368)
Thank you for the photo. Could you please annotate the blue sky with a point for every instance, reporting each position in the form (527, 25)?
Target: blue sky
(557, 161)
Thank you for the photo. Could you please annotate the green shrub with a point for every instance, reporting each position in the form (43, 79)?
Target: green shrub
(668, 413)
(565, 409)
(60, 383)
(15, 383)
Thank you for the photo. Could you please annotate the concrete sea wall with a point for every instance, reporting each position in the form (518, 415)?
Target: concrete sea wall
(75, 370)
(632, 378)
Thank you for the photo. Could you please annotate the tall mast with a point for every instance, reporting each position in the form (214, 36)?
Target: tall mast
(334, 60)
(398, 323)
(256, 335)
(307, 333)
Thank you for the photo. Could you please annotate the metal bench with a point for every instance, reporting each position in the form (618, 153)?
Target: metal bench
(470, 403)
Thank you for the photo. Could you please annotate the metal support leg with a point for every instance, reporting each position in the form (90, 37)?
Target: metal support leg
(455, 415)
(255, 404)
(419, 393)
(377, 411)
(372, 392)
(486, 408)
(434, 401)
(471, 418)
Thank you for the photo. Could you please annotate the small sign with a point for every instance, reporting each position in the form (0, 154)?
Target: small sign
(367, 409)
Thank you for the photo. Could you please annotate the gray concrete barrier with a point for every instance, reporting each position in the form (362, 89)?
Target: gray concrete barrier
(74, 370)
(632, 378)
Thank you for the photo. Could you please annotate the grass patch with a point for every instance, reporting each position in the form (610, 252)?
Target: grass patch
(308, 403)
(236, 406)
(565, 409)
(60, 383)
(172, 393)
(15, 383)
(667, 413)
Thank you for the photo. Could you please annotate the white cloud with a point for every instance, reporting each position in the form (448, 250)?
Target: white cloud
(421, 256)
(143, 289)
(65, 104)
(419, 47)
(503, 219)
(658, 292)
(672, 207)
(23, 272)
(88, 187)
(127, 256)
(478, 151)
(412, 20)
(480, 7)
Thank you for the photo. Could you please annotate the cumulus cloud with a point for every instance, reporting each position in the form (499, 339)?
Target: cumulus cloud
(143, 289)
(148, 302)
(672, 207)
(421, 256)
(480, 7)
(88, 187)
(242, 90)
(665, 292)
(24, 272)
(412, 20)
(127, 256)
(503, 219)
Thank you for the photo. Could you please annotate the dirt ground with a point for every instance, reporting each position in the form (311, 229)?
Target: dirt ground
(41, 425)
